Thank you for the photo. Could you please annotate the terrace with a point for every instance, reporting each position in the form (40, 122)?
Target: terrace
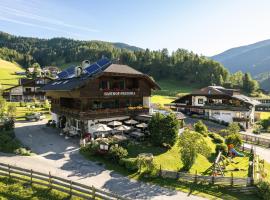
(101, 113)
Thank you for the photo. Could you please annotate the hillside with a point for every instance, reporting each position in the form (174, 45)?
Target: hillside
(7, 76)
(253, 58)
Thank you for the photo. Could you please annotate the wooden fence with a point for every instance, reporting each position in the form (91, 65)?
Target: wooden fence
(217, 180)
(257, 140)
(53, 182)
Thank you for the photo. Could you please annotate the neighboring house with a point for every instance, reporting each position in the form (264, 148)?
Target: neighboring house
(264, 105)
(219, 103)
(27, 90)
(51, 71)
(99, 92)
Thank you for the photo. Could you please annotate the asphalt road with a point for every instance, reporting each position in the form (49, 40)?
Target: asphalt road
(61, 157)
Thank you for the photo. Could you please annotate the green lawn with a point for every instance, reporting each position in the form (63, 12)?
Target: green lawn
(264, 115)
(7, 76)
(21, 111)
(158, 99)
(16, 190)
(170, 87)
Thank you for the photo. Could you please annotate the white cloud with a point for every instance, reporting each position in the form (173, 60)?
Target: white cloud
(49, 21)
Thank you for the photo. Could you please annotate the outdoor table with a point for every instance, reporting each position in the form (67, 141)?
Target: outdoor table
(136, 135)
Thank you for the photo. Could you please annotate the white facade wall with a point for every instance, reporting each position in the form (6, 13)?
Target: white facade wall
(195, 100)
(227, 116)
(32, 88)
(17, 90)
(147, 101)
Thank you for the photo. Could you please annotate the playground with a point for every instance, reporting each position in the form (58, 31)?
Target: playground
(169, 159)
(231, 163)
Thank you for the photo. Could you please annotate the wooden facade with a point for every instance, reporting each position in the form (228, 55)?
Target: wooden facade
(118, 91)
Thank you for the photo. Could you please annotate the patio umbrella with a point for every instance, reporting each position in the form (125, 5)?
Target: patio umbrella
(131, 122)
(142, 125)
(101, 128)
(115, 123)
(122, 128)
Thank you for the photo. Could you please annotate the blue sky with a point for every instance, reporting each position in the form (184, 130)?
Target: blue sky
(204, 26)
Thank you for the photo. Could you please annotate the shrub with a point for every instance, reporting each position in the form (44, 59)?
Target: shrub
(23, 152)
(201, 128)
(8, 143)
(129, 163)
(234, 139)
(221, 147)
(264, 190)
(9, 124)
(116, 153)
(265, 123)
(216, 138)
(92, 148)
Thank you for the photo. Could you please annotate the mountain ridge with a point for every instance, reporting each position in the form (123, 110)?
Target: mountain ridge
(253, 58)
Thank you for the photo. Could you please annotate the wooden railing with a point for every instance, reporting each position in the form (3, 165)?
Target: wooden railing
(240, 119)
(100, 113)
(217, 180)
(57, 183)
(253, 139)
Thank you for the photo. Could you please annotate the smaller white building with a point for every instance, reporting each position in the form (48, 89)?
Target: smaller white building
(219, 103)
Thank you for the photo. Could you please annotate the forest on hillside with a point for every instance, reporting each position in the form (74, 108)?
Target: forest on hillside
(179, 65)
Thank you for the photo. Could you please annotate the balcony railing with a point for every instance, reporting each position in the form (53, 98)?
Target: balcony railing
(240, 119)
(100, 113)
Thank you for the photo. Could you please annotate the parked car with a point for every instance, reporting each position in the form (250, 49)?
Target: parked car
(35, 116)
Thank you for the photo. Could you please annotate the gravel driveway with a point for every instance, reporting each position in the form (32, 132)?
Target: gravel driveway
(61, 157)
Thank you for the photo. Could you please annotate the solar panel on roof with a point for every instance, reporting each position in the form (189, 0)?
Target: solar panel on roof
(67, 73)
(92, 68)
(98, 66)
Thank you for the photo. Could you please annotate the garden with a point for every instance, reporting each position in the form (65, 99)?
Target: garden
(192, 152)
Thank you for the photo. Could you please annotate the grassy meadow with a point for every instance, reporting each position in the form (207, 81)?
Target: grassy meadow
(7, 73)
(18, 190)
(170, 87)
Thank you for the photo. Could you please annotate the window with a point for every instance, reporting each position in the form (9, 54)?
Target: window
(103, 84)
(200, 101)
(27, 89)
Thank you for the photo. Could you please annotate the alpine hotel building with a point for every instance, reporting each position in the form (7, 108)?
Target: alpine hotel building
(88, 94)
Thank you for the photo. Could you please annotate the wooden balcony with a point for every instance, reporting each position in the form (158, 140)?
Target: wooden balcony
(101, 113)
(240, 119)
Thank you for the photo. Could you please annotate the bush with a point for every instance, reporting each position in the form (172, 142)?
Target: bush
(201, 128)
(91, 148)
(8, 143)
(9, 124)
(221, 147)
(234, 139)
(129, 163)
(216, 138)
(116, 153)
(264, 190)
(23, 152)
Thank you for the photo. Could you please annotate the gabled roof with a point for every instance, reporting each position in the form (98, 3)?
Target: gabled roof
(122, 69)
(210, 90)
(218, 90)
(69, 84)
